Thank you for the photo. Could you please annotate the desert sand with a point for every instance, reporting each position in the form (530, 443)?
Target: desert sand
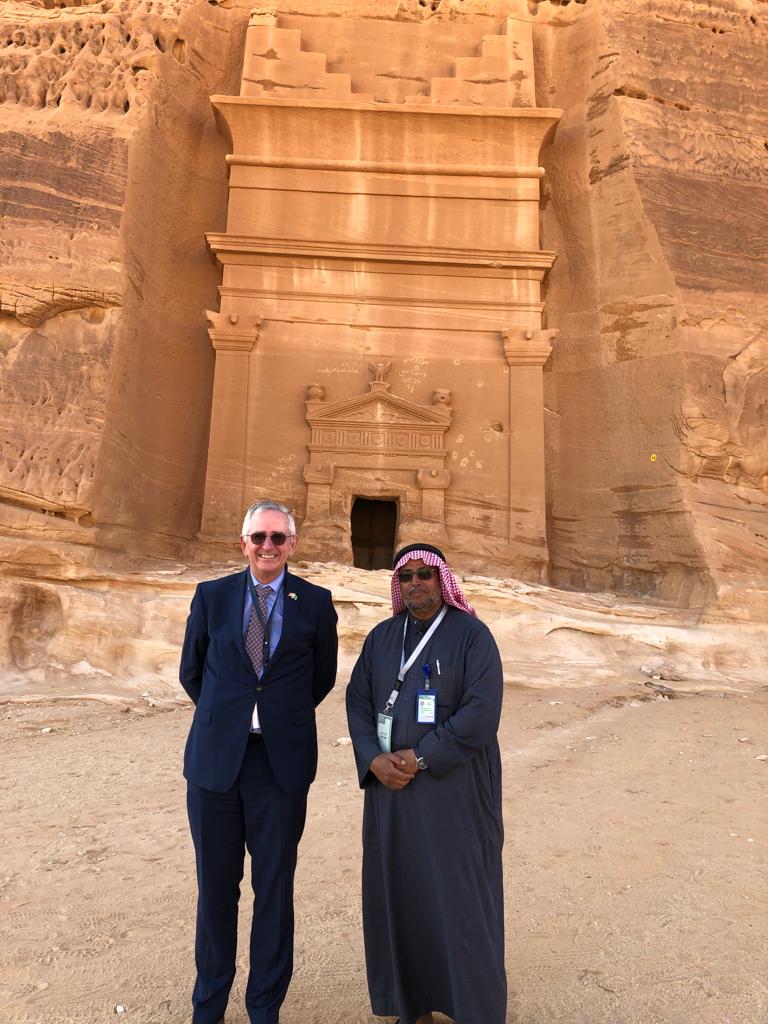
(634, 809)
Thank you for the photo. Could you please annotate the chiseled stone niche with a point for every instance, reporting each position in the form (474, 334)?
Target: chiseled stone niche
(394, 229)
(376, 445)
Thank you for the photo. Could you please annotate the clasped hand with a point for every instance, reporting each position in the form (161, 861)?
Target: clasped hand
(395, 770)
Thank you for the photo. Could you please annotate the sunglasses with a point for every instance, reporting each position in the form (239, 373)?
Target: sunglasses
(406, 575)
(276, 538)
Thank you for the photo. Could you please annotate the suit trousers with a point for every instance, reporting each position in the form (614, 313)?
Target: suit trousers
(255, 813)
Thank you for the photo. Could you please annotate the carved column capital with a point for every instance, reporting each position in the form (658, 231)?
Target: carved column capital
(230, 332)
(319, 474)
(433, 479)
(526, 347)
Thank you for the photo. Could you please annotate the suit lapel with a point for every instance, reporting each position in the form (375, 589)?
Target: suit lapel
(236, 612)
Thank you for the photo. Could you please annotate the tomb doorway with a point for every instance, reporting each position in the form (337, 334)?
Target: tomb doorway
(374, 525)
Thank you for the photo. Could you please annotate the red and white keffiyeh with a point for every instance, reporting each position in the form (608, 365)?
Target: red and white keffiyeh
(452, 594)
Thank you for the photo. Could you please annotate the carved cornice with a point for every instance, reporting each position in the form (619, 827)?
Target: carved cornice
(525, 347)
(226, 245)
(230, 332)
(346, 134)
(488, 307)
(395, 110)
(385, 167)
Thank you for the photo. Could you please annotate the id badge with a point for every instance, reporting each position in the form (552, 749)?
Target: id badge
(426, 707)
(384, 731)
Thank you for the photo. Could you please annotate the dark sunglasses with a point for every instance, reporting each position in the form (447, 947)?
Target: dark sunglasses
(276, 538)
(406, 575)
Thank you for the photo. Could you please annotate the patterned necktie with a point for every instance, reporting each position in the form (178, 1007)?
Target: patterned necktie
(254, 635)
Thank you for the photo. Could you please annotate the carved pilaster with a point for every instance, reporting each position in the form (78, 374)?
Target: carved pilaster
(433, 484)
(233, 338)
(526, 351)
(319, 479)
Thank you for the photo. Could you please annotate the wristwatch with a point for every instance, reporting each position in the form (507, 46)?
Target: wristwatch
(421, 764)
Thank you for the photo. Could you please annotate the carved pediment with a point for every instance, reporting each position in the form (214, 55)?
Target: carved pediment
(378, 407)
(380, 413)
(376, 423)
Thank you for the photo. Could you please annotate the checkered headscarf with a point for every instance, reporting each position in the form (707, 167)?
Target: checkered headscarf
(452, 594)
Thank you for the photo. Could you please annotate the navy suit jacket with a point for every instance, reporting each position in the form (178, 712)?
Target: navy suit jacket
(218, 675)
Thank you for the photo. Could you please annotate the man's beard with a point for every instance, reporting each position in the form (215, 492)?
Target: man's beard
(423, 602)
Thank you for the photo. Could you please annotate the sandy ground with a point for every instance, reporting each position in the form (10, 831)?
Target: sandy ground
(635, 863)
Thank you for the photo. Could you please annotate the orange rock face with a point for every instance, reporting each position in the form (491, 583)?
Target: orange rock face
(382, 207)
(657, 393)
(112, 170)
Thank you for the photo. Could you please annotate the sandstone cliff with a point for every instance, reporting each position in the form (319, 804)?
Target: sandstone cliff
(112, 170)
(655, 201)
(658, 207)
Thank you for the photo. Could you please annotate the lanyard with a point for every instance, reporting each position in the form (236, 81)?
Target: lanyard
(266, 626)
(406, 665)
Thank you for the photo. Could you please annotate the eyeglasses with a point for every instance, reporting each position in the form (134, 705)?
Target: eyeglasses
(277, 538)
(406, 575)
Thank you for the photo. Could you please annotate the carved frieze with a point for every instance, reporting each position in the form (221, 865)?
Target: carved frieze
(380, 423)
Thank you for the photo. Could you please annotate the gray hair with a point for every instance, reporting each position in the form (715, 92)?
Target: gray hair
(269, 506)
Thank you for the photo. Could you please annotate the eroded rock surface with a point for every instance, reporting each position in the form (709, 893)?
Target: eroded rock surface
(111, 170)
(658, 391)
(118, 636)
(656, 395)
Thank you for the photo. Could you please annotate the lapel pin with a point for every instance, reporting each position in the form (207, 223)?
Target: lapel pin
(293, 597)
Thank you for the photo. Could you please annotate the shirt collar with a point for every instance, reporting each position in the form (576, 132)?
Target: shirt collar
(274, 585)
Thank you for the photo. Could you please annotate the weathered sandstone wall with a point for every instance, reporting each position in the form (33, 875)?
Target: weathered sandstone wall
(112, 170)
(655, 201)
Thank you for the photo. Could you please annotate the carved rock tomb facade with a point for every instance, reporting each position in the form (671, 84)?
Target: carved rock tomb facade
(380, 335)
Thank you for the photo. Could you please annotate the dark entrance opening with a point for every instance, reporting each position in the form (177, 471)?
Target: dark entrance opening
(373, 533)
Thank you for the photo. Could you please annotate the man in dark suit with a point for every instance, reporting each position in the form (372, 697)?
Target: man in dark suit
(259, 655)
